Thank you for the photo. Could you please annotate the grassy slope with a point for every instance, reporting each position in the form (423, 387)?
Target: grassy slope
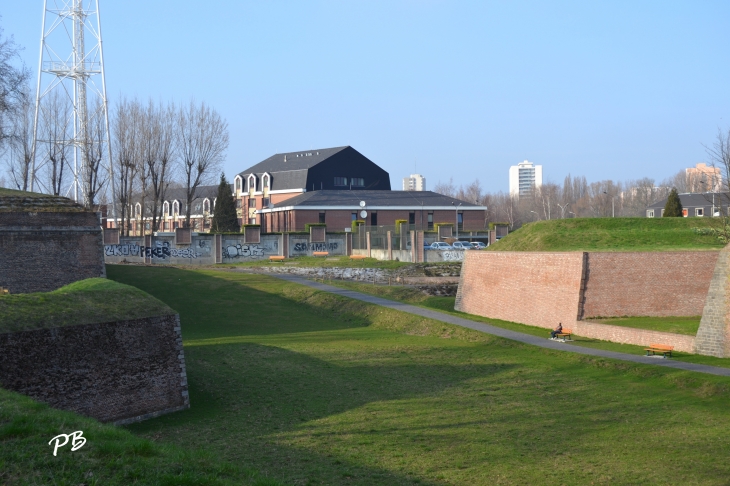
(83, 302)
(111, 455)
(677, 325)
(317, 389)
(610, 234)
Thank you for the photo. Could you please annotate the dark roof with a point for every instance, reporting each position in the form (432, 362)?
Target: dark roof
(396, 199)
(695, 200)
(301, 160)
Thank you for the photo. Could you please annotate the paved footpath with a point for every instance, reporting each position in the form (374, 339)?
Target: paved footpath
(498, 331)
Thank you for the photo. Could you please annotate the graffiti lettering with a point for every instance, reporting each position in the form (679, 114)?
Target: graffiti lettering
(246, 251)
(453, 256)
(121, 250)
(161, 250)
(301, 247)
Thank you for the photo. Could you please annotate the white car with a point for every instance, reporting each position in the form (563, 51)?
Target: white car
(477, 245)
(440, 245)
(461, 245)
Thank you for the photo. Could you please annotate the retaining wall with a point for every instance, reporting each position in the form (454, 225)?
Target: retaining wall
(118, 372)
(44, 251)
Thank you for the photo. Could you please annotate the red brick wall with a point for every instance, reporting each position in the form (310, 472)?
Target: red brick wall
(629, 335)
(648, 283)
(540, 289)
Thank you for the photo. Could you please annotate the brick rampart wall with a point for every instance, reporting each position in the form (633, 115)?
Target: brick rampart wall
(40, 252)
(540, 289)
(713, 336)
(630, 335)
(115, 372)
(648, 283)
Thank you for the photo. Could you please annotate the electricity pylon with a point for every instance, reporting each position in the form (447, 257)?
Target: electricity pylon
(70, 107)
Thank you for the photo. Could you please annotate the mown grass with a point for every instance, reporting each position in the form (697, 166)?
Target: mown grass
(312, 388)
(610, 234)
(677, 325)
(110, 456)
(84, 302)
(414, 296)
(324, 262)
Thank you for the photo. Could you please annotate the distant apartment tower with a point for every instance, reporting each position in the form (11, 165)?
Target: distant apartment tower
(416, 182)
(523, 177)
(702, 178)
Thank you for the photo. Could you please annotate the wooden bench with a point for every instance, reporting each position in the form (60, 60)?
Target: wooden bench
(357, 257)
(665, 349)
(321, 253)
(276, 258)
(565, 335)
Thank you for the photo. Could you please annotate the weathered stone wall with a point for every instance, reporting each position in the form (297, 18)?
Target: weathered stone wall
(648, 283)
(540, 289)
(713, 336)
(115, 372)
(43, 251)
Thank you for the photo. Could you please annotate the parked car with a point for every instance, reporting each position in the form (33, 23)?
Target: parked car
(461, 245)
(477, 245)
(440, 245)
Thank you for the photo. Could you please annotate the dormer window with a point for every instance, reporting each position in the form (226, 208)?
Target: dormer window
(166, 209)
(266, 181)
(357, 182)
(341, 181)
(175, 208)
(206, 205)
(138, 210)
(238, 183)
(252, 182)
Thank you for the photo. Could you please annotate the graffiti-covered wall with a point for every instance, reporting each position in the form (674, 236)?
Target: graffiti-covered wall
(162, 249)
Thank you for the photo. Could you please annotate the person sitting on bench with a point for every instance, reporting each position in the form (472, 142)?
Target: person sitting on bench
(557, 330)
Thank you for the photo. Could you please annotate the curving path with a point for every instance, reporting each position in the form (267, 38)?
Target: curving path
(498, 331)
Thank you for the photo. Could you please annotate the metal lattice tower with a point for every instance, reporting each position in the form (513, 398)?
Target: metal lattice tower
(71, 114)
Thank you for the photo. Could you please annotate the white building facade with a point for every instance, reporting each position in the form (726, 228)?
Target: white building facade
(416, 182)
(523, 177)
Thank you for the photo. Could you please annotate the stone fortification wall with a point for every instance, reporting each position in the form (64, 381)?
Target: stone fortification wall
(115, 372)
(540, 289)
(42, 251)
(713, 336)
(648, 283)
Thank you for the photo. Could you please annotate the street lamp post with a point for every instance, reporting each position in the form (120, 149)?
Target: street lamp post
(456, 209)
(613, 206)
(562, 210)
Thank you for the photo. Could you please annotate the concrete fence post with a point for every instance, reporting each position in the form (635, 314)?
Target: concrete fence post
(390, 246)
(367, 244)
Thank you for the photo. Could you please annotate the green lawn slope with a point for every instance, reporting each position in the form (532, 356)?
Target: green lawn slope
(610, 234)
(84, 302)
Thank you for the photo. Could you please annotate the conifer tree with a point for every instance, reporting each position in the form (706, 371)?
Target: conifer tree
(673, 208)
(224, 216)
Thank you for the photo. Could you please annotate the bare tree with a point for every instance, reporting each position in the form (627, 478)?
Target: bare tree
(12, 83)
(54, 135)
(202, 140)
(446, 188)
(21, 142)
(160, 154)
(125, 122)
(720, 156)
(93, 178)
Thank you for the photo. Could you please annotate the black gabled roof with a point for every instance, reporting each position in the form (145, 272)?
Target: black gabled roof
(695, 200)
(377, 198)
(302, 160)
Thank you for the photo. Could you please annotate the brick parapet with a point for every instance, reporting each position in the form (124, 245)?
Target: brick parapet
(115, 372)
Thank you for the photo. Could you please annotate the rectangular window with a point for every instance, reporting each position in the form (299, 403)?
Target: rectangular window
(238, 203)
(357, 182)
(649, 213)
(266, 202)
(341, 181)
(354, 216)
(699, 212)
(430, 221)
(251, 203)
(321, 217)
(460, 220)
(412, 218)
(373, 219)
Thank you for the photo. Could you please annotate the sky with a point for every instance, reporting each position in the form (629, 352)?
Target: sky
(450, 89)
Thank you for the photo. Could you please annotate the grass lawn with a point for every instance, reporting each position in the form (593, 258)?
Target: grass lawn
(611, 234)
(677, 325)
(84, 302)
(312, 388)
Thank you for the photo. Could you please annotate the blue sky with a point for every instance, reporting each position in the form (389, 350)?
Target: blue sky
(462, 89)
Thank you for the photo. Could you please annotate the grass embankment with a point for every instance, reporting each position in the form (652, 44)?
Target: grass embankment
(680, 325)
(84, 302)
(324, 262)
(317, 389)
(611, 234)
(111, 455)
(677, 325)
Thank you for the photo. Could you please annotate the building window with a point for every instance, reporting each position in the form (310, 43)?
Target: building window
(321, 217)
(412, 217)
(340, 181)
(175, 209)
(238, 203)
(252, 182)
(266, 202)
(266, 181)
(357, 182)
(430, 221)
(166, 209)
(206, 206)
(460, 220)
(238, 185)
(354, 216)
(699, 212)
(251, 202)
(649, 213)
(373, 219)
